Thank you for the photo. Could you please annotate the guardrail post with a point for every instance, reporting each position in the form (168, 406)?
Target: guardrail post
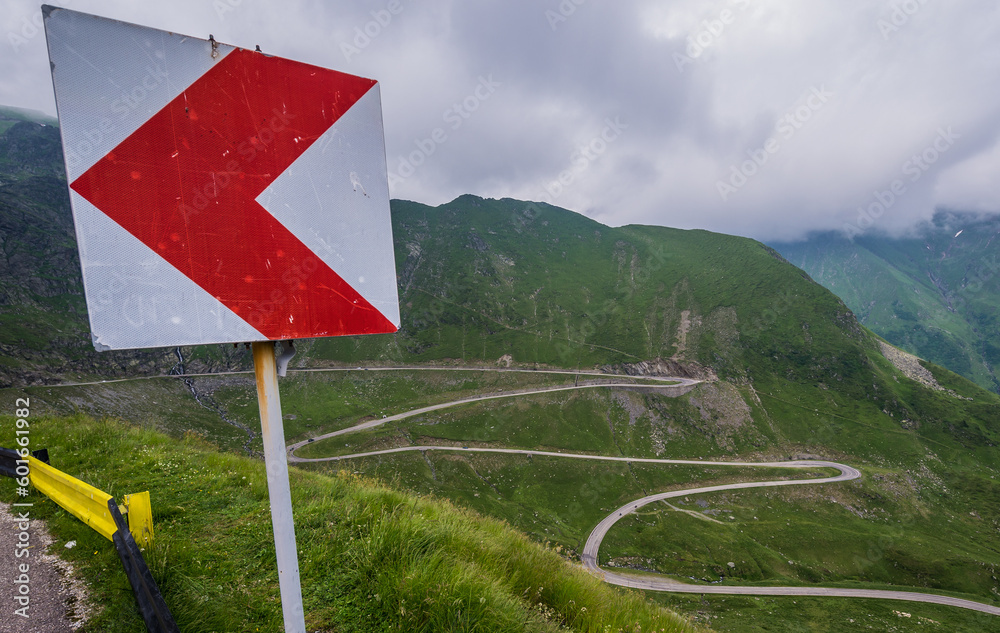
(153, 608)
(8, 462)
(140, 517)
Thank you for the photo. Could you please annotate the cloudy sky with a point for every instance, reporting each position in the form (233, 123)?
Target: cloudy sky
(765, 118)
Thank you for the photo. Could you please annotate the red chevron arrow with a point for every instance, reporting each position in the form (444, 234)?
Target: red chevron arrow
(185, 184)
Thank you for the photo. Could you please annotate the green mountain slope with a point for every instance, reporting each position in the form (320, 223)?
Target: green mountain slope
(487, 282)
(936, 295)
(10, 115)
(481, 279)
(480, 283)
(371, 558)
(788, 370)
(44, 333)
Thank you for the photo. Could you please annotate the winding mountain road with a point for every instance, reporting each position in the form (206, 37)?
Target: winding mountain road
(651, 582)
(674, 383)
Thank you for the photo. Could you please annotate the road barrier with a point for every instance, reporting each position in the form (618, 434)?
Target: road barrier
(98, 509)
(9, 458)
(140, 517)
(79, 498)
(153, 608)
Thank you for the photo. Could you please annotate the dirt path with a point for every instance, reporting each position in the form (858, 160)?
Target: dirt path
(56, 599)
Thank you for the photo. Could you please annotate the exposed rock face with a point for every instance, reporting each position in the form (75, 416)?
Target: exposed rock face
(477, 244)
(664, 367)
(32, 149)
(909, 365)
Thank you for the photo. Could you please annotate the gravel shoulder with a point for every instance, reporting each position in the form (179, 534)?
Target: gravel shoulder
(56, 597)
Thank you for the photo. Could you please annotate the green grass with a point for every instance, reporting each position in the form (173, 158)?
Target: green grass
(902, 527)
(371, 558)
(854, 532)
(35, 328)
(594, 420)
(162, 404)
(552, 499)
(313, 402)
(552, 288)
(745, 614)
(907, 524)
(533, 421)
(318, 402)
(928, 475)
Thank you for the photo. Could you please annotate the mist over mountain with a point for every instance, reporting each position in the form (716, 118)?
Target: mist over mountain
(935, 293)
(483, 279)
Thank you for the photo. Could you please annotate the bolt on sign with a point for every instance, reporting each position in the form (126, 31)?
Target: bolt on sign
(220, 194)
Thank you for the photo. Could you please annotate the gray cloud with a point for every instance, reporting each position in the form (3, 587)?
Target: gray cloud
(704, 92)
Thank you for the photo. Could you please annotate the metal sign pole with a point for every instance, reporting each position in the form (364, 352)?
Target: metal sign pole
(278, 487)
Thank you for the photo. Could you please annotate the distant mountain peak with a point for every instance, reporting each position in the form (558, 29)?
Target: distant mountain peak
(11, 113)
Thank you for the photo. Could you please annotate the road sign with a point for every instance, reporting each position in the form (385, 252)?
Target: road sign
(223, 195)
(220, 194)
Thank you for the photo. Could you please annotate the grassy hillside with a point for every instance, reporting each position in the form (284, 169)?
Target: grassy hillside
(10, 115)
(936, 295)
(788, 370)
(371, 558)
(480, 279)
(924, 516)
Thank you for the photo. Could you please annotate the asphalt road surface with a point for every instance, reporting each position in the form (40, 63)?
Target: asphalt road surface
(670, 383)
(653, 582)
(649, 582)
(55, 598)
(660, 584)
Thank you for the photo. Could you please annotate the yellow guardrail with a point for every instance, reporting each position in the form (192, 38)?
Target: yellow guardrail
(89, 504)
(139, 513)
